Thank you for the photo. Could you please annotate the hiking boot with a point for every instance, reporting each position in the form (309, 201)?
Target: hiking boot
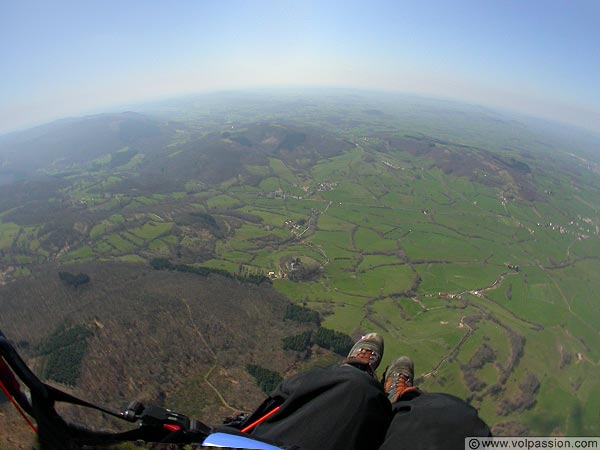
(399, 379)
(367, 350)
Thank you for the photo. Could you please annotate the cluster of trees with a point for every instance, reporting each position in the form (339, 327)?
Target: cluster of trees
(335, 341)
(121, 157)
(239, 138)
(518, 165)
(525, 399)
(203, 220)
(74, 280)
(166, 264)
(266, 379)
(208, 221)
(484, 354)
(65, 349)
(473, 383)
(298, 343)
(301, 314)
(517, 347)
(565, 359)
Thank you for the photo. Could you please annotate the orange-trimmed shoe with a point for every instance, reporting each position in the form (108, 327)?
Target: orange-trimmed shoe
(368, 351)
(399, 379)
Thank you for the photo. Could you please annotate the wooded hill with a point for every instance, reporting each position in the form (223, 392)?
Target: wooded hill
(162, 337)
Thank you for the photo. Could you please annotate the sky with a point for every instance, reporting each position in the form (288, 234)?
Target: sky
(63, 58)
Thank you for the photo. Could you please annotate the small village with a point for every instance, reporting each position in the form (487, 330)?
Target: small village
(583, 228)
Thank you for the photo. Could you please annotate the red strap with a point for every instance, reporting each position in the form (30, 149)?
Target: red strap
(16, 405)
(261, 420)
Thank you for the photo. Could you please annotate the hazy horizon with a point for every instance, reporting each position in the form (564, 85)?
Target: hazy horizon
(67, 59)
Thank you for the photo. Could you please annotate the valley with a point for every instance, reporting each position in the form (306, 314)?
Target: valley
(471, 244)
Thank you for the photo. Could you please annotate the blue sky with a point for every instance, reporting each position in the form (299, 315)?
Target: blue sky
(60, 58)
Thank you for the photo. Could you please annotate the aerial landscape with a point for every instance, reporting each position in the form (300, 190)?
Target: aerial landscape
(158, 251)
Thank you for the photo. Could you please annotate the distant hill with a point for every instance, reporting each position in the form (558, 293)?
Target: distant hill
(70, 142)
(220, 156)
